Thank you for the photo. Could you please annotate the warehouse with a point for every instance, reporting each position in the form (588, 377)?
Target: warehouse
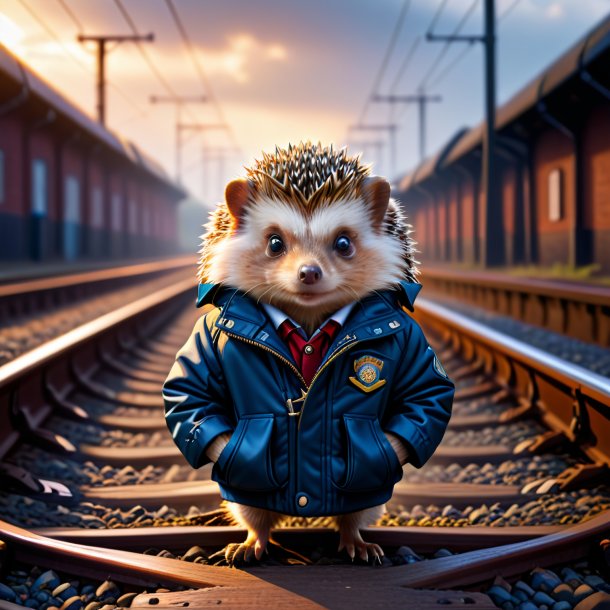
(553, 155)
(69, 188)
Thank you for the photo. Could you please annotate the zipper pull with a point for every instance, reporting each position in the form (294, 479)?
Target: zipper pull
(291, 402)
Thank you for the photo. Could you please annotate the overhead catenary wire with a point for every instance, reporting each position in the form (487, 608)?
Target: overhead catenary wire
(77, 22)
(52, 34)
(463, 52)
(458, 28)
(386, 58)
(198, 67)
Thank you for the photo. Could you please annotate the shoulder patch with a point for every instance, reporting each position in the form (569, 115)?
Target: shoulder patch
(438, 367)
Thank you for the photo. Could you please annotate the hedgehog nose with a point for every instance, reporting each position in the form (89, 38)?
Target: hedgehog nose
(310, 274)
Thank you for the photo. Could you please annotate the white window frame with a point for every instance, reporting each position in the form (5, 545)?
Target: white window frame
(40, 187)
(556, 198)
(116, 212)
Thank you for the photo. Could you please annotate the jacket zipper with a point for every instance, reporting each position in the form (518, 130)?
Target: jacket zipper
(268, 349)
(332, 357)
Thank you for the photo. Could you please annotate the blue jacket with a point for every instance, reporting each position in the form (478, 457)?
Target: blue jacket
(307, 451)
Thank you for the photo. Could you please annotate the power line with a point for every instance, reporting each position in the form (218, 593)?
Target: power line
(439, 10)
(445, 48)
(198, 67)
(449, 67)
(407, 60)
(72, 56)
(386, 58)
(70, 13)
(164, 83)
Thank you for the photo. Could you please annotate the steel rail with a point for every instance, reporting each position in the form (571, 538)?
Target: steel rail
(577, 309)
(56, 282)
(569, 398)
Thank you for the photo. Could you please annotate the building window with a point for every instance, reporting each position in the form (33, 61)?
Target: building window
(71, 218)
(97, 208)
(2, 174)
(556, 195)
(40, 187)
(116, 212)
(133, 216)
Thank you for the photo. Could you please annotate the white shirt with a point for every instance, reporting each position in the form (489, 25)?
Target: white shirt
(277, 316)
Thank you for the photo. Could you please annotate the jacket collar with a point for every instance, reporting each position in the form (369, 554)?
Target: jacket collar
(408, 291)
(372, 317)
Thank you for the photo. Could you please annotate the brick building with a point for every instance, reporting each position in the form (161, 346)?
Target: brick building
(69, 188)
(553, 154)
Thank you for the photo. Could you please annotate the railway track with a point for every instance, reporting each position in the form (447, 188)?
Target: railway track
(93, 489)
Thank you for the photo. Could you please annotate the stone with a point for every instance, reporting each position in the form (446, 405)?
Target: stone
(522, 586)
(499, 595)
(562, 605)
(581, 592)
(125, 600)
(544, 580)
(540, 597)
(442, 553)
(597, 601)
(563, 593)
(7, 594)
(593, 580)
(193, 553)
(527, 606)
(107, 589)
(64, 591)
(73, 603)
(47, 580)
(500, 582)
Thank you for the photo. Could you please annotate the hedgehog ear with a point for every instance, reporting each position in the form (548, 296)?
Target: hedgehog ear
(237, 195)
(377, 195)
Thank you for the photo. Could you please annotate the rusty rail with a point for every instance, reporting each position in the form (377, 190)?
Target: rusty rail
(578, 310)
(572, 401)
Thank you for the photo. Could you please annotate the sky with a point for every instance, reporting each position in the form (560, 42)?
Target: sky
(280, 71)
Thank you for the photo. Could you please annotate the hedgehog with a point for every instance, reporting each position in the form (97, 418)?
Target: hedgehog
(307, 258)
(306, 188)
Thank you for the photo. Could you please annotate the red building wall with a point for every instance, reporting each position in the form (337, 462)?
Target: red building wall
(553, 150)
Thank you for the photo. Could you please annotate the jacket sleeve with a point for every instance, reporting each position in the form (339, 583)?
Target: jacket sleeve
(195, 396)
(422, 399)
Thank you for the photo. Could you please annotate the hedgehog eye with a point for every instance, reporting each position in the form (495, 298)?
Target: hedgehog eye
(344, 246)
(275, 246)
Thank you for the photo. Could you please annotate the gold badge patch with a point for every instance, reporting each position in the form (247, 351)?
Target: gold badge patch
(368, 373)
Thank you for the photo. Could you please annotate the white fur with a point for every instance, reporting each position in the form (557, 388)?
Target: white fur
(312, 231)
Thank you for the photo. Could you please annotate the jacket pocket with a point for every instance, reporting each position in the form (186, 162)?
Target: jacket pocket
(246, 461)
(370, 461)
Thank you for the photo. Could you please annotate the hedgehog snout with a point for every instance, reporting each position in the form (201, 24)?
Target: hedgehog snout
(310, 274)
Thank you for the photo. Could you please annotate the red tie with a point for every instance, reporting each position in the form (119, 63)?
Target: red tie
(308, 354)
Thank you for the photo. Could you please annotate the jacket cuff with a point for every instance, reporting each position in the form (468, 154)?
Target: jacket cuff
(203, 434)
(417, 444)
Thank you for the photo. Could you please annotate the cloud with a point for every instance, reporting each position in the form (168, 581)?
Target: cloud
(555, 11)
(239, 56)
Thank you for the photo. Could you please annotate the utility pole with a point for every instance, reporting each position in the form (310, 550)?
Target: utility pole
(421, 99)
(391, 129)
(494, 230)
(178, 102)
(101, 64)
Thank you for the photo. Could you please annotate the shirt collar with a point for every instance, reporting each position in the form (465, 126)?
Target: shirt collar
(277, 316)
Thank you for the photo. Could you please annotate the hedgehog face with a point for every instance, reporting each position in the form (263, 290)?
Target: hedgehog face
(309, 264)
(308, 231)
